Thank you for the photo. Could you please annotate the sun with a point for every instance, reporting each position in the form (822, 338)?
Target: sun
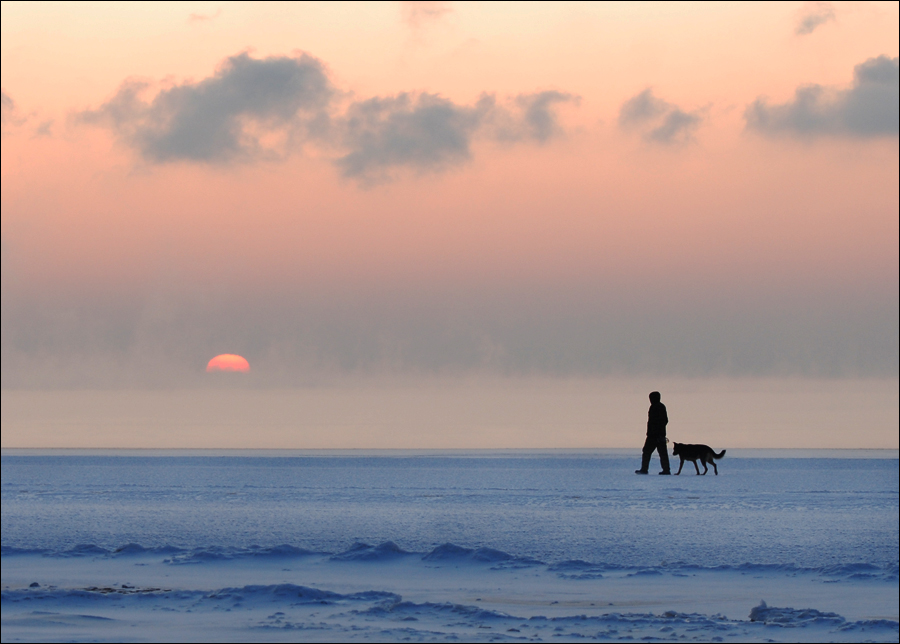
(228, 362)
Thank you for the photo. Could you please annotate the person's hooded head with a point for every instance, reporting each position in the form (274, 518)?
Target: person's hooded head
(654, 397)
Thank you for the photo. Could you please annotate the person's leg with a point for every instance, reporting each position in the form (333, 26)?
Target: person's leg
(649, 446)
(663, 455)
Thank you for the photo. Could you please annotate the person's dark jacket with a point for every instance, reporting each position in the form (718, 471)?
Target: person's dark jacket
(657, 419)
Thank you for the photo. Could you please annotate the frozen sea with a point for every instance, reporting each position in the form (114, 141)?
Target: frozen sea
(487, 545)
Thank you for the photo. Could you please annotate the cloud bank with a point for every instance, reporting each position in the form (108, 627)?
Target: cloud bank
(869, 108)
(658, 120)
(258, 108)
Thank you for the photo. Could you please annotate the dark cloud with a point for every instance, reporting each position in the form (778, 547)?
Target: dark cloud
(225, 116)
(814, 14)
(659, 120)
(870, 108)
(427, 132)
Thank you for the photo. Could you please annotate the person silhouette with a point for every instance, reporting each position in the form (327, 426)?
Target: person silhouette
(657, 419)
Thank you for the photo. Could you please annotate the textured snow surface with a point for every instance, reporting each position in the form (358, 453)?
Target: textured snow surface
(465, 547)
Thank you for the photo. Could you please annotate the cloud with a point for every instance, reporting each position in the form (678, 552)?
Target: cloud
(225, 117)
(814, 15)
(538, 120)
(659, 120)
(418, 15)
(677, 127)
(427, 132)
(44, 128)
(12, 118)
(868, 109)
(642, 108)
(9, 113)
(7, 104)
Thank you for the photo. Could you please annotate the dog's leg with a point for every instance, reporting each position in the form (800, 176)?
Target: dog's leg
(696, 468)
(705, 468)
(713, 463)
(679, 468)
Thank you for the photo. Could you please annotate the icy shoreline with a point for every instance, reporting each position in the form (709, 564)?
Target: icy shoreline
(382, 593)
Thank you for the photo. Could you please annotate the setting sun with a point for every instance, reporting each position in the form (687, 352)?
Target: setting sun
(228, 362)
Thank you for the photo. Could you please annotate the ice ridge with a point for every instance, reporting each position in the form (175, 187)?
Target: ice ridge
(386, 612)
(450, 553)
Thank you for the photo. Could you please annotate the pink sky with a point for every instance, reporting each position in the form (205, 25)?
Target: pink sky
(449, 225)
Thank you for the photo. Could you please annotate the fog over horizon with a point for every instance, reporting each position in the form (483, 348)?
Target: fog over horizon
(165, 339)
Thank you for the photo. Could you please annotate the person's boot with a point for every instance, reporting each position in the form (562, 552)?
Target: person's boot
(665, 473)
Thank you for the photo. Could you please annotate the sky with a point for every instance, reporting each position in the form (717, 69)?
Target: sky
(430, 190)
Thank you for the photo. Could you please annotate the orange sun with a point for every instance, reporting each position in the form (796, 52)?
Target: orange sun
(228, 362)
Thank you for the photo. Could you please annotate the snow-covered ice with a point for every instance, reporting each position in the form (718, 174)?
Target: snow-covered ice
(482, 546)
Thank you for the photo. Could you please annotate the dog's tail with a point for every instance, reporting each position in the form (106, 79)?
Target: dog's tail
(719, 455)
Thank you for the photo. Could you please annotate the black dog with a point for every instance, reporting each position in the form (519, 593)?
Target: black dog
(693, 452)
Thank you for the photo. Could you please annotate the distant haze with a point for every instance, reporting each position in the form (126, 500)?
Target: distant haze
(452, 413)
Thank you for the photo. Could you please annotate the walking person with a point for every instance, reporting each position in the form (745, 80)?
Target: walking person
(657, 419)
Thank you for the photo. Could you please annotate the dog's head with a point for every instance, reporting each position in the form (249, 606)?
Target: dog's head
(677, 449)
